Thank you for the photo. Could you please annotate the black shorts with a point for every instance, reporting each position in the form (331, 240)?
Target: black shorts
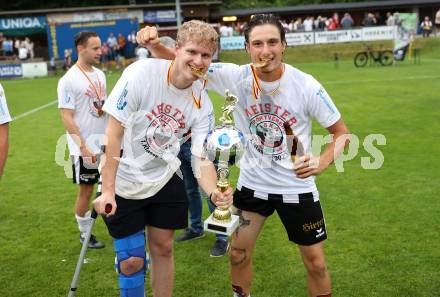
(167, 209)
(303, 221)
(84, 173)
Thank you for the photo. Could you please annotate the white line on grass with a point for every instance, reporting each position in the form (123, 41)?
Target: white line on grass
(34, 110)
(337, 82)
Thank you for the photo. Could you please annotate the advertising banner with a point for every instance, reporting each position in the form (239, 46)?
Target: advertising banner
(61, 18)
(378, 33)
(34, 69)
(23, 25)
(302, 38)
(124, 14)
(232, 43)
(10, 70)
(60, 36)
(406, 29)
(338, 36)
(160, 16)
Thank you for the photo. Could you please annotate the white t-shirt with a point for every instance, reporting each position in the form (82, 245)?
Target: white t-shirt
(76, 92)
(266, 166)
(22, 53)
(156, 116)
(5, 117)
(142, 53)
(224, 31)
(308, 25)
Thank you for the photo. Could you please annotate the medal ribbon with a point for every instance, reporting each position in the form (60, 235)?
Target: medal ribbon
(99, 109)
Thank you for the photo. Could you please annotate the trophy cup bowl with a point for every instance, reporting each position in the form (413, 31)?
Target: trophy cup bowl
(224, 146)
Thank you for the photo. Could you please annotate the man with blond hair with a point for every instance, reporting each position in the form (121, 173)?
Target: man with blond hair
(153, 107)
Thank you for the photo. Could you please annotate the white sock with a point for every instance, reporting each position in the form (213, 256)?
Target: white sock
(237, 295)
(84, 222)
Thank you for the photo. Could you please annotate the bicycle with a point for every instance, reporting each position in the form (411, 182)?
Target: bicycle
(382, 56)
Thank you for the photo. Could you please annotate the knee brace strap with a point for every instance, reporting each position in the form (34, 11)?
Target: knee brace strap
(131, 246)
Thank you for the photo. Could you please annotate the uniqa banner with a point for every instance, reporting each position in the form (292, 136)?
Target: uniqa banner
(23, 25)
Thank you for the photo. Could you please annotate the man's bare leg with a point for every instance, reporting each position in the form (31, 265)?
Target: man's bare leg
(318, 278)
(160, 243)
(83, 197)
(242, 246)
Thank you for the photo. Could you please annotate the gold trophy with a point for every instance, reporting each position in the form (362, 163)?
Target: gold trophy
(224, 146)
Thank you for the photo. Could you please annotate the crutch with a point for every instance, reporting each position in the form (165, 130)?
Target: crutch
(82, 254)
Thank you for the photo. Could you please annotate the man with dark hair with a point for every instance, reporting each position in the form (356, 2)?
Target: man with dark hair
(83, 37)
(5, 118)
(277, 173)
(81, 95)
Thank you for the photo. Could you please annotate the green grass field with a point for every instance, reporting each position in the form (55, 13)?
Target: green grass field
(383, 224)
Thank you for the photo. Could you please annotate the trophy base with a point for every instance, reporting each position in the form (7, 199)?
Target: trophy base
(226, 228)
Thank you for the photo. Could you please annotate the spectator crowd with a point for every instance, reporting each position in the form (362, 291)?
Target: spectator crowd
(16, 48)
(323, 23)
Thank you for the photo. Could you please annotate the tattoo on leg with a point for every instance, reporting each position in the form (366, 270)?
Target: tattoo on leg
(238, 291)
(242, 221)
(242, 256)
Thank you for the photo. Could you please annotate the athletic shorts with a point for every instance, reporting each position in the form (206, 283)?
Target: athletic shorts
(84, 173)
(303, 221)
(167, 209)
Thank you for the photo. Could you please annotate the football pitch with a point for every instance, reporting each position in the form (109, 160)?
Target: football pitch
(383, 223)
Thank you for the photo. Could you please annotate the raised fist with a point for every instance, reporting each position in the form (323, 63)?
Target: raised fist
(148, 37)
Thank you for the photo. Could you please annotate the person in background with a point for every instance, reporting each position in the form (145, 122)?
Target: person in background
(5, 118)
(17, 43)
(8, 47)
(347, 21)
(23, 53)
(112, 44)
(426, 27)
(81, 95)
(122, 43)
(390, 19)
(142, 53)
(131, 45)
(335, 19)
(105, 56)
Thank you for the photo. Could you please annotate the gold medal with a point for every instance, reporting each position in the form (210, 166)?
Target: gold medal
(262, 63)
(199, 72)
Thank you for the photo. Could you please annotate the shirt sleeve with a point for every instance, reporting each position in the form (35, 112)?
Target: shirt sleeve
(124, 100)
(204, 125)
(320, 106)
(66, 97)
(222, 76)
(5, 117)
